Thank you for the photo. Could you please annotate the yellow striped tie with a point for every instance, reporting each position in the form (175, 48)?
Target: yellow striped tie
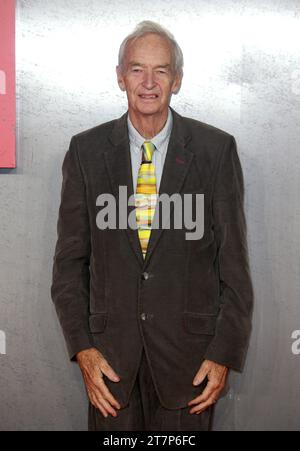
(146, 195)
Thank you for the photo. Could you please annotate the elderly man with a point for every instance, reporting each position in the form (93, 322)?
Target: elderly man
(154, 320)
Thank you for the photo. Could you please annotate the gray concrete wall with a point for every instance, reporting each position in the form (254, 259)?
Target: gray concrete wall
(242, 74)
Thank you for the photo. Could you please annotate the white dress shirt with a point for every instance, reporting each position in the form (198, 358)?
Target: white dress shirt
(161, 142)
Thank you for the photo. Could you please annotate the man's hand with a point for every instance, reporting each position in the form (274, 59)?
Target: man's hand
(93, 365)
(217, 375)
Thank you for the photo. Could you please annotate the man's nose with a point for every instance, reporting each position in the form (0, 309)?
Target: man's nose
(149, 80)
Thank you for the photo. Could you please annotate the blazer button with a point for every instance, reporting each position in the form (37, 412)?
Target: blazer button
(145, 276)
(143, 316)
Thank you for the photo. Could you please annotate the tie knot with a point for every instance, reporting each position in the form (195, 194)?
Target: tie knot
(148, 149)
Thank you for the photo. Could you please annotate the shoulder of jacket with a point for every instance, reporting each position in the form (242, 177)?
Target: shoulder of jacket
(209, 130)
(96, 131)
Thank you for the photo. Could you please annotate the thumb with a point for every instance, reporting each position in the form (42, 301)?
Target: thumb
(201, 374)
(109, 372)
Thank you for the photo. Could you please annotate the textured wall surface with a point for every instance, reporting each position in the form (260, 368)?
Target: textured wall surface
(242, 74)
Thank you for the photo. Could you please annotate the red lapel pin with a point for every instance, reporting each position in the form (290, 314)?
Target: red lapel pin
(179, 160)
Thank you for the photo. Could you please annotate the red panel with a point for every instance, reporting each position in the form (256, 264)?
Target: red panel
(7, 85)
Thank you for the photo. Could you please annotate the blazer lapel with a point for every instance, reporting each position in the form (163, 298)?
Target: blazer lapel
(176, 166)
(118, 162)
(177, 163)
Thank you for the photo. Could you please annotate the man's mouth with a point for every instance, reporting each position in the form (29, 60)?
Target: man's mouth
(148, 96)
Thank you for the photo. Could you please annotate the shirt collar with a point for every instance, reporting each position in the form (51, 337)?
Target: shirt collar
(158, 140)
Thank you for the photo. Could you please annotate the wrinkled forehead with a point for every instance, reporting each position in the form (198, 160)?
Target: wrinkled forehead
(151, 46)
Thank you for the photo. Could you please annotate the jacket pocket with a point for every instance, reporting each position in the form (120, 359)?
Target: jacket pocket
(98, 322)
(199, 323)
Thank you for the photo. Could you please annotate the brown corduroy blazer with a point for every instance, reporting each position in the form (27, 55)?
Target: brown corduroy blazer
(189, 300)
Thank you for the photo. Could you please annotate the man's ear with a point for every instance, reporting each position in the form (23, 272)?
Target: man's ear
(177, 83)
(120, 78)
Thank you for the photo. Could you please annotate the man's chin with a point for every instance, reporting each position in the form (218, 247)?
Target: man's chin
(148, 109)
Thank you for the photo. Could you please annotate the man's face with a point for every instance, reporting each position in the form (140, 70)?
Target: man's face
(148, 75)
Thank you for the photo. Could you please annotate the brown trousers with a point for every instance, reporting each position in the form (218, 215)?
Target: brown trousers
(145, 413)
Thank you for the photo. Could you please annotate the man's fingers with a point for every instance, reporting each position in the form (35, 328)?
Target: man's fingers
(217, 375)
(209, 396)
(109, 372)
(203, 406)
(93, 366)
(97, 404)
(96, 386)
(103, 394)
(103, 403)
(209, 390)
(201, 374)
(107, 394)
(106, 405)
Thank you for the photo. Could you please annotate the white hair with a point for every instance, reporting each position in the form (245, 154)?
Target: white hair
(147, 26)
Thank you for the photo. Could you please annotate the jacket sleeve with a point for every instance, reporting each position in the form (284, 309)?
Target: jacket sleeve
(70, 282)
(233, 328)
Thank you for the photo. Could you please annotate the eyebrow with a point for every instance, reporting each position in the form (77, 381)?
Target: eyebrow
(135, 63)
